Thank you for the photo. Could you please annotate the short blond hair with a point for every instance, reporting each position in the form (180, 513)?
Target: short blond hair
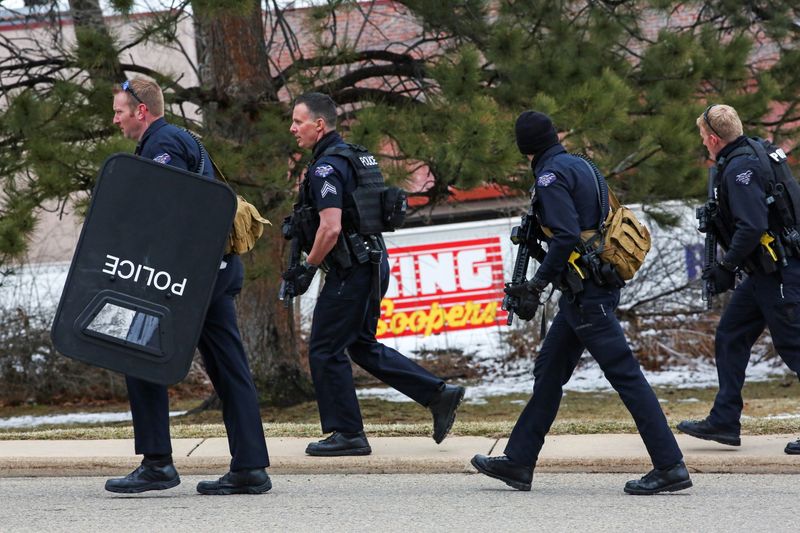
(146, 92)
(721, 120)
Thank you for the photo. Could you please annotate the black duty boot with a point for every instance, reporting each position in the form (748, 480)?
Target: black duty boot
(443, 406)
(502, 468)
(341, 444)
(703, 429)
(146, 477)
(669, 479)
(254, 481)
(793, 448)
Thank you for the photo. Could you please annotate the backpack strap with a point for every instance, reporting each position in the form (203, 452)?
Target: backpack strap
(595, 239)
(601, 187)
(202, 164)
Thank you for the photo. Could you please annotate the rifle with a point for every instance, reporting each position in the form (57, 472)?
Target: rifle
(286, 292)
(521, 236)
(705, 215)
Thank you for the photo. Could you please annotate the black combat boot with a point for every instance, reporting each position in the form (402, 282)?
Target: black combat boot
(147, 477)
(793, 448)
(443, 407)
(255, 481)
(703, 429)
(341, 444)
(676, 477)
(502, 468)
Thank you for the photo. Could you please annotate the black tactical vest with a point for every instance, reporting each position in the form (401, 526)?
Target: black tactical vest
(372, 207)
(783, 191)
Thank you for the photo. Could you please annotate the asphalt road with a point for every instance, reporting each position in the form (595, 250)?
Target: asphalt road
(408, 503)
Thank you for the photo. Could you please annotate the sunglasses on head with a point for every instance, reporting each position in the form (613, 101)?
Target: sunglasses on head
(126, 86)
(708, 122)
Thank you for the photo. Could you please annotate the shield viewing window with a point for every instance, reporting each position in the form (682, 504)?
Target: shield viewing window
(121, 319)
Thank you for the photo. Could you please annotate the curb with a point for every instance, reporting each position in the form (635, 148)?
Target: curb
(116, 466)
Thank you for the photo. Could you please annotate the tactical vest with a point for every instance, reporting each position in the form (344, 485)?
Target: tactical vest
(372, 207)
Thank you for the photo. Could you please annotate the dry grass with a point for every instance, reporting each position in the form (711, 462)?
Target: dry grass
(580, 413)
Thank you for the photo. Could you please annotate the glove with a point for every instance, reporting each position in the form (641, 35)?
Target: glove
(534, 286)
(301, 277)
(527, 298)
(721, 277)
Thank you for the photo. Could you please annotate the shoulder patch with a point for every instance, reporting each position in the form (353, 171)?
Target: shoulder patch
(163, 158)
(323, 171)
(744, 178)
(326, 189)
(545, 179)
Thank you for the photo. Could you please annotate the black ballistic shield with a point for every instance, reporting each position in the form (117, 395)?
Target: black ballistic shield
(144, 269)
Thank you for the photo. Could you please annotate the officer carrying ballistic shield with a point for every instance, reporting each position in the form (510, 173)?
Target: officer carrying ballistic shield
(342, 209)
(756, 223)
(139, 113)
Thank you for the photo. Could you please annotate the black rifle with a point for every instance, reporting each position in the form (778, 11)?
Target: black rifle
(706, 214)
(521, 236)
(287, 291)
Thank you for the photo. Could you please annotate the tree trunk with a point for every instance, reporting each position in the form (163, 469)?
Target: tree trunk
(96, 51)
(233, 62)
(234, 67)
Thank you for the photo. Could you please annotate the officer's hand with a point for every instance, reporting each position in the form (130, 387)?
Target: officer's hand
(526, 306)
(721, 278)
(521, 290)
(301, 277)
(526, 296)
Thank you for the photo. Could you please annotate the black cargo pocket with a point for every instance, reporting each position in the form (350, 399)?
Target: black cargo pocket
(788, 311)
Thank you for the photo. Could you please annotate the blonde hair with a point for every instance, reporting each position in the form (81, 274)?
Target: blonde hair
(146, 92)
(721, 120)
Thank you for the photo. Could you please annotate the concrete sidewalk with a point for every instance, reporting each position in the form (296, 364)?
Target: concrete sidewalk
(398, 455)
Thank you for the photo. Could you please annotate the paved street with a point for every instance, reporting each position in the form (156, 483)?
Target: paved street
(463, 502)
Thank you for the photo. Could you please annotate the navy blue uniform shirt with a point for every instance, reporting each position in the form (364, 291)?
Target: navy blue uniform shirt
(566, 201)
(170, 145)
(742, 196)
(329, 178)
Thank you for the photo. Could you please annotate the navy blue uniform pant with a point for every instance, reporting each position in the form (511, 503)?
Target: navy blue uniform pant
(226, 364)
(590, 323)
(761, 300)
(344, 324)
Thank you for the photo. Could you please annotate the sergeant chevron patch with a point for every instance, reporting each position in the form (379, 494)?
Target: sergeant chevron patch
(327, 188)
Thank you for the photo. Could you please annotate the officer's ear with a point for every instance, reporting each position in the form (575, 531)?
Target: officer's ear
(320, 124)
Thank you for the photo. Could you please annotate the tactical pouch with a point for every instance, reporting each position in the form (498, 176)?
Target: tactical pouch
(305, 222)
(395, 205)
(358, 248)
(368, 210)
(379, 209)
(339, 257)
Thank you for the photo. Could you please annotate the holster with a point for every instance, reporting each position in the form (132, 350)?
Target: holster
(375, 257)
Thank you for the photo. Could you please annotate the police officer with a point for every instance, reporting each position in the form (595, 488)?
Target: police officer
(347, 310)
(770, 294)
(565, 200)
(138, 111)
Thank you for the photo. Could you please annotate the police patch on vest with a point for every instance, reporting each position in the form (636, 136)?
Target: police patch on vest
(163, 158)
(744, 177)
(545, 179)
(327, 188)
(324, 170)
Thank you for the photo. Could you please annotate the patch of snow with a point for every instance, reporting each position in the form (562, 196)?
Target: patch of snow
(589, 377)
(72, 418)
